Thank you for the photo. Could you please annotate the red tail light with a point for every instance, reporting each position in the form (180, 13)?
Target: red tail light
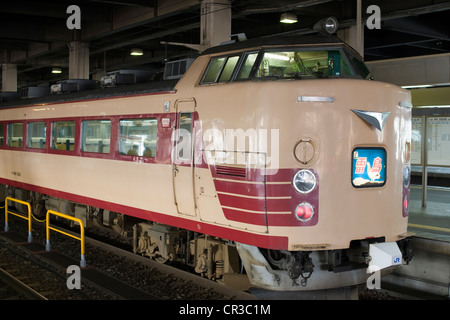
(304, 211)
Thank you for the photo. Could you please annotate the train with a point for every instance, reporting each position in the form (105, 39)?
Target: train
(277, 162)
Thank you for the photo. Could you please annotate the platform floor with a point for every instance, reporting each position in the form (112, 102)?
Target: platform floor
(433, 221)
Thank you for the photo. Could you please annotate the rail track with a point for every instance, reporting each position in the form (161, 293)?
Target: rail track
(13, 288)
(112, 272)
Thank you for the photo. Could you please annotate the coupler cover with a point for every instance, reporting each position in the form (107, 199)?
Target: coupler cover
(384, 255)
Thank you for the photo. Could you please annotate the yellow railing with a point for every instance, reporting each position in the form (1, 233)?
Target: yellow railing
(80, 238)
(30, 236)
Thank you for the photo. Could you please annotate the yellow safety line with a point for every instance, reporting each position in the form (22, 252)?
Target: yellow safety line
(429, 227)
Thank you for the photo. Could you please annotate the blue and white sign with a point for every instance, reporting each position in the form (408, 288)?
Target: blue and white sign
(368, 167)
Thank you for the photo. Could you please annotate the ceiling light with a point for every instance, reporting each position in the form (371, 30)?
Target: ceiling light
(56, 70)
(288, 18)
(136, 52)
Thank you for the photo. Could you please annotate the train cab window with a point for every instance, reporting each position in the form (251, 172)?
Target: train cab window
(15, 135)
(63, 135)
(304, 64)
(96, 136)
(247, 65)
(220, 69)
(36, 135)
(137, 137)
(215, 65)
(228, 69)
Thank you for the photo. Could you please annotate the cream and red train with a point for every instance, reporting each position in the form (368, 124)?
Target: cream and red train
(277, 154)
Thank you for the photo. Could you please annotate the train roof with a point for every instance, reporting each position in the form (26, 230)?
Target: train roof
(124, 90)
(280, 40)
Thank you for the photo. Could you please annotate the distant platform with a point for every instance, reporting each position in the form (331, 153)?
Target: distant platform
(433, 221)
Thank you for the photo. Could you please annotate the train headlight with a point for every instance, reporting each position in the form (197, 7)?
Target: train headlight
(304, 181)
(406, 176)
(304, 212)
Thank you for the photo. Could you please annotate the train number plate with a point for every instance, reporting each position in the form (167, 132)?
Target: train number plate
(368, 167)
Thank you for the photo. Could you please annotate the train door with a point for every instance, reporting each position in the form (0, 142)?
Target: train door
(183, 157)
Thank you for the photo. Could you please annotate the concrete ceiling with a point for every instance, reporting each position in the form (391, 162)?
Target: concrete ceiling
(34, 35)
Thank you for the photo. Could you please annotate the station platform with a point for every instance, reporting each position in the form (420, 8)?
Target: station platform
(433, 221)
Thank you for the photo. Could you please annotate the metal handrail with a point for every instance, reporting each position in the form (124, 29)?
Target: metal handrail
(30, 236)
(80, 238)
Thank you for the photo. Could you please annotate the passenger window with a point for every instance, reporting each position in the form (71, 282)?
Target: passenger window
(15, 135)
(1, 134)
(63, 135)
(137, 137)
(36, 135)
(228, 69)
(96, 136)
(247, 65)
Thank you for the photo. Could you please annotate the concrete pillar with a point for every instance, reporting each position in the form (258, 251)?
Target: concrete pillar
(353, 38)
(215, 22)
(9, 77)
(78, 60)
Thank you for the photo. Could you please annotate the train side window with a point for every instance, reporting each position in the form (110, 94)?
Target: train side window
(137, 137)
(96, 136)
(183, 147)
(15, 135)
(36, 135)
(63, 135)
(1, 134)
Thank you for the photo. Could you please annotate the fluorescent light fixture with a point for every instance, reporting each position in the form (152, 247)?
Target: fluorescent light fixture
(288, 18)
(136, 52)
(276, 56)
(56, 70)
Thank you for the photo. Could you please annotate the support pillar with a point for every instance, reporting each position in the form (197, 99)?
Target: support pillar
(215, 22)
(354, 36)
(9, 77)
(350, 36)
(78, 60)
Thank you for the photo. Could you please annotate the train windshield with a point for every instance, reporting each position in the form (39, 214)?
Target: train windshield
(304, 64)
(285, 64)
